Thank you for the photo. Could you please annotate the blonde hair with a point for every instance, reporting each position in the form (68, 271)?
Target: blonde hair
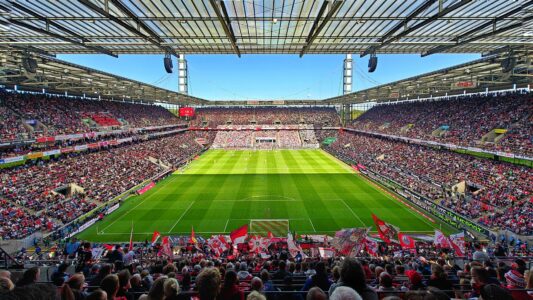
(255, 295)
(6, 284)
(171, 287)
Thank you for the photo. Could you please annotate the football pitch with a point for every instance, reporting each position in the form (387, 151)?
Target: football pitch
(305, 191)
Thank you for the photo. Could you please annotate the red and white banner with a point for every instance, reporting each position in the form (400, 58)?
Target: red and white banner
(371, 246)
(258, 244)
(218, 243)
(441, 240)
(406, 241)
(458, 243)
(326, 252)
(387, 232)
(239, 235)
(155, 237)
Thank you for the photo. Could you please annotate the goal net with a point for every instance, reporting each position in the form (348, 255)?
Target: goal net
(278, 227)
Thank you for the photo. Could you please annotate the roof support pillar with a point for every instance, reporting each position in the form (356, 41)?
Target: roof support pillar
(347, 75)
(183, 75)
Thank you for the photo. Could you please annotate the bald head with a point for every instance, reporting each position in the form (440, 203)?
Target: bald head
(316, 293)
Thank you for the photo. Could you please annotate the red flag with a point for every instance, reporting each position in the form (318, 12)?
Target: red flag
(406, 241)
(131, 238)
(193, 236)
(166, 248)
(239, 235)
(108, 247)
(155, 236)
(270, 235)
(387, 232)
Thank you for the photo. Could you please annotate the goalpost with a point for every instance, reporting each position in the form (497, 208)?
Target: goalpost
(278, 227)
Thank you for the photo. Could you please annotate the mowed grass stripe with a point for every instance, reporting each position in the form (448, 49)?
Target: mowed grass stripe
(225, 189)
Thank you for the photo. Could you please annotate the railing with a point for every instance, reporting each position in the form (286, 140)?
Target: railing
(7, 261)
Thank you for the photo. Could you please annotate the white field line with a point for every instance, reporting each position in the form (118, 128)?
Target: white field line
(135, 206)
(312, 225)
(353, 213)
(181, 217)
(226, 227)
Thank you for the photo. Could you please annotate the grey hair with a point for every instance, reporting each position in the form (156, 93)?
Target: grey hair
(345, 293)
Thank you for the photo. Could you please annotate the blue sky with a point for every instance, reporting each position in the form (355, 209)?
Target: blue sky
(259, 77)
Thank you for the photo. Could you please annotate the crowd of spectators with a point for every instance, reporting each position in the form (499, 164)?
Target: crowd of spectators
(48, 187)
(107, 136)
(16, 223)
(47, 115)
(265, 137)
(491, 186)
(464, 121)
(214, 116)
(195, 273)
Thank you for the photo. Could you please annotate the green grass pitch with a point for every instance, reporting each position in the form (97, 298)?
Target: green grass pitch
(224, 189)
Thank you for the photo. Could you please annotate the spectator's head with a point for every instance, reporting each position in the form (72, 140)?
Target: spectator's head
(157, 291)
(171, 288)
(110, 285)
(62, 268)
(30, 276)
(345, 293)
(6, 285)
(414, 277)
(243, 267)
(352, 274)
(124, 277)
(320, 269)
(230, 278)
(135, 280)
(378, 271)
(256, 284)
(437, 271)
(169, 268)
(5, 274)
(385, 280)
(255, 295)
(515, 279)
(400, 270)
(282, 265)
(316, 293)
(97, 295)
(76, 281)
(479, 276)
(494, 292)
(265, 276)
(519, 265)
(208, 283)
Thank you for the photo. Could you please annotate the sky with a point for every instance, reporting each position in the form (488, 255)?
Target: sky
(268, 77)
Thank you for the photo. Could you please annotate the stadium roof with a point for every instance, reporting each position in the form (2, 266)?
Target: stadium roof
(268, 26)
(59, 76)
(474, 76)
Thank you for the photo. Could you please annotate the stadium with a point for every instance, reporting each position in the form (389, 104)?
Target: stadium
(113, 187)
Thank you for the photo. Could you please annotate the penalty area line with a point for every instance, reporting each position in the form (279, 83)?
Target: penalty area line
(181, 217)
(353, 213)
